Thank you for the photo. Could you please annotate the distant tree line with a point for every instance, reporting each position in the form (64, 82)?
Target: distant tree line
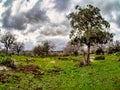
(11, 45)
(46, 48)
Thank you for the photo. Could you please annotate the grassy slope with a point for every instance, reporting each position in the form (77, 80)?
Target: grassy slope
(100, 75)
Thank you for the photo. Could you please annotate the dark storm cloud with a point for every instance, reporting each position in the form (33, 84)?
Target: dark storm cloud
(28, 0)
(20, 21)
(13, 22)
(0, 1)
(113, 8)
(36, 15)
(62, 5)
(118, 21)
(8, 3)
(5, 17)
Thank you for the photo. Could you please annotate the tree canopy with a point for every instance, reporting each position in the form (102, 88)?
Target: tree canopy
(89, 27)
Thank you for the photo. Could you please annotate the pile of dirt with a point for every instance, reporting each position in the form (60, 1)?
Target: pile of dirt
(27, 69)
(30, 69)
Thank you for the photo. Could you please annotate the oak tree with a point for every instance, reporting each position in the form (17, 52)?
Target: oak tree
(89, 27)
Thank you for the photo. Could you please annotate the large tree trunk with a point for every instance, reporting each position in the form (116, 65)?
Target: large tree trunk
(88, 55)
(18, 53)
(87, 60)
(6, 50)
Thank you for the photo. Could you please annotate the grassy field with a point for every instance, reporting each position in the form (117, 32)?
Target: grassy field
(61, 73)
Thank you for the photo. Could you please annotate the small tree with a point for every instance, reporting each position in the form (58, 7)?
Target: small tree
(18, 47)
(38, 50)
(43, 49)
(71, 49)
(87, 26)
(47, 47)
(8, 39)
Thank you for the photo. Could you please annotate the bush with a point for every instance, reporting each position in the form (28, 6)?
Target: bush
(100, 57)
(7, 62)
(2, 55)
(1, 60)
(117, 54)
(99, 51)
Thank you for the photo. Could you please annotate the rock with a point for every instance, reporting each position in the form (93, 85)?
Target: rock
(52, 62)
(3, 68)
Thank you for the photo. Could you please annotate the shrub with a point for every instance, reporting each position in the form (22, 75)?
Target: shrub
(81, 64)
(2, 55)
(8, 62)
(99, 51)
(100, 57)
(1, 60)
(117, 54)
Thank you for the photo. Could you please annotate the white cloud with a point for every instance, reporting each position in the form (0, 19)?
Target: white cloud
(55, 17)
(47, 4)
(16, 7)
(26, 6)
(115, 30)
(22, 6)
(29, 39)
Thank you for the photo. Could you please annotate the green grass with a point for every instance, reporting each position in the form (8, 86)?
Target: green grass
(62, 73)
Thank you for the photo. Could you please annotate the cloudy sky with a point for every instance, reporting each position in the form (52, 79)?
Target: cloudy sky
(34, 21)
